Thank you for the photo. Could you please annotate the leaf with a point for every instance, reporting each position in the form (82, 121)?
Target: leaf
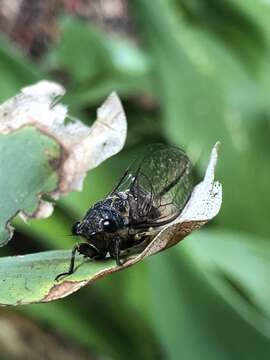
(235, 28)
(30, 278)
(179, 62)
(26, 159)
(92, 330)
(97, 64)
(36, 107)
(219, 254)
(97, 54)
(193, 317)
(204, 89)
(216, 282)
(16, 70)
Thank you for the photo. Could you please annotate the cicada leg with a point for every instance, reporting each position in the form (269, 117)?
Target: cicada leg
(114, 250)
(136, 249)
(71, 266)
(85, 249)
(148, 233)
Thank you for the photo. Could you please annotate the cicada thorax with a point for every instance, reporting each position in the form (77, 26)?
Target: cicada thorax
(126, 206)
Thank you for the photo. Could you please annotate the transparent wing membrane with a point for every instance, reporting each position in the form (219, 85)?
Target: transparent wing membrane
(158, 184)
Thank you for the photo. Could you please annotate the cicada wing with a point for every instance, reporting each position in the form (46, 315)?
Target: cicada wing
(126, 180)
(159, 184)
(165, 178)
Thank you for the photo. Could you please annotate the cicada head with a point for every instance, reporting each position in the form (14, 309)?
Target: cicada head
(99, 225)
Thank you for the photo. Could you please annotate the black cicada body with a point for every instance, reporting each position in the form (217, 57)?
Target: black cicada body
(151, 193)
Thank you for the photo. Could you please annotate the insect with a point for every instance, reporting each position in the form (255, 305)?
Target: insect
(151, 193)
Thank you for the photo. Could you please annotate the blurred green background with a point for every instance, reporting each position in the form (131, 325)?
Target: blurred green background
(189, 73)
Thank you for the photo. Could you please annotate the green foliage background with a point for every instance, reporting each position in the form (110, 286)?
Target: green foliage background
(205, 65)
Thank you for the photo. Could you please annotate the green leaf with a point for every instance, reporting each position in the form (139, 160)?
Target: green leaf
(83, 59)
(93, 321)
(53, 232)
(231, 25)
(15, 69)
(214, 283)
(97, 64)
(26, 162)
(226, 257)
(30, 278)
(207, 93)
(183, 77)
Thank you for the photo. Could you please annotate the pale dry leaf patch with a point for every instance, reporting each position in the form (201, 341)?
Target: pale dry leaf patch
(82, 147)
(203, 205)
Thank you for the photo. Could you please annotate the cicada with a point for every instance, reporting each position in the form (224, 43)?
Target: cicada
(151, 193)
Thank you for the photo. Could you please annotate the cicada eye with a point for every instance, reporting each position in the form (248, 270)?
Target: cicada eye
(109, 225)
(76, 228)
